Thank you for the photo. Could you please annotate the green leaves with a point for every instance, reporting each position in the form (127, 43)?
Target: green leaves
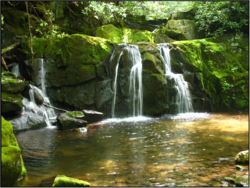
(2, 22)
(216, 17)
(149, 9)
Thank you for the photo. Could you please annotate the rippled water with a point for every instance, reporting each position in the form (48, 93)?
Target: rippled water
(194, 149)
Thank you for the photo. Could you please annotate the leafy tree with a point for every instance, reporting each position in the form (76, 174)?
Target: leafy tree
(108, 10)
(217, 17)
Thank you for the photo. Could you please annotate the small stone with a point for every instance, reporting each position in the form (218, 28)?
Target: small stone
(205, 179)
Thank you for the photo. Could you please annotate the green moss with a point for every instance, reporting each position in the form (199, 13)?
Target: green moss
(64, 181)
(11, 159)
(217, 63)
(124, 35)
(77, 114)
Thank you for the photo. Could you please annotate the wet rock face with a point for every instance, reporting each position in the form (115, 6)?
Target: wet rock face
(92, 116)
(11, 100)
(28, 121)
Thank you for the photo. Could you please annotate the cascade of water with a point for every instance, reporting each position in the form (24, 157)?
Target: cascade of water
(135, 79)
(15, 70)
(32, 106)
(183, 98)
(115, 86)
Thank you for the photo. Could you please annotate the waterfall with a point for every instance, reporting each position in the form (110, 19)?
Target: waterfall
(136, 76)
(47, 113)
(115, 86)
(135, 79)
(15, 70)
(182, 98)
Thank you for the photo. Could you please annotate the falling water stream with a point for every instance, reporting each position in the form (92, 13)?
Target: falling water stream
(183, 97)
(135, 80)
(15, 70)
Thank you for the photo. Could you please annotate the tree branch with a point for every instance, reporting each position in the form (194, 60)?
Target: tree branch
(9, 48)
(54, 107)
(4, 64)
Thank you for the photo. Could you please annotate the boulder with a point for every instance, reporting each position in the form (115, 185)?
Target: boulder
(69, 120)
(81, 96)
(12, 166)
(9, 83)
(11, 102)
(28, 121)
(72, 59)
(93, 116)
(64, 181)
(242, 157)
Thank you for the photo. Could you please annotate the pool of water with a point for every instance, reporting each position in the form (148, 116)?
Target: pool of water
(194, 149)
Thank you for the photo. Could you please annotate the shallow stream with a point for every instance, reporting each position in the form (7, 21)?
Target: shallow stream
(193, 149)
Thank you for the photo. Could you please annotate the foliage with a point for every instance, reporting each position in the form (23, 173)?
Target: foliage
(149, 9)
(226, 86)
(2, 22)
(217, 17)
(47, 29)
(234, 69)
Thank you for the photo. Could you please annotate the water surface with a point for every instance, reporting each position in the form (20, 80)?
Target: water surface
(193, 149)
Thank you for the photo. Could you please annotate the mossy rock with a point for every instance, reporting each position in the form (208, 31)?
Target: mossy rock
(66, 122)
(64, 181)
(80, 96)
(10, 84)
(11, 102)
(72, 59)
(181, 30)
(242, 181)
(242, 157)
(12, 166)
(124, 35)
(215, 62)
(75, 114)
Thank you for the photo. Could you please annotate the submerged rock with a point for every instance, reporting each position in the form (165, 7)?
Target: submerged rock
(69, 121)
(242, 157)
(64, 181)
(12, 166)
(94, 127)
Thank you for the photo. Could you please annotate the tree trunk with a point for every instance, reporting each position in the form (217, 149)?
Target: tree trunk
(31, 48)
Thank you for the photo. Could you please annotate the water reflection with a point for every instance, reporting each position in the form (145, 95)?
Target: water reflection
(195, 149)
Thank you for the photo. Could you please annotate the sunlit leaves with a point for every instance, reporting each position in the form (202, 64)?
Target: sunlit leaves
(149, 9)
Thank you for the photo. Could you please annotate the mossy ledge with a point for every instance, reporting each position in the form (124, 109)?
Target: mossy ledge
(12, 166)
